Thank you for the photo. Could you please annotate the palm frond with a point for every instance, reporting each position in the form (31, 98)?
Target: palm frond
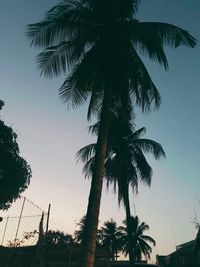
(62, 23)
(84, 79)
(149, 239)
(72, 93)
(144, 170)
(168, 34)
(142, 227)
(86, 152)
(88, 168)
(142, 88)
(55, 60)
(143, 248)
(150, 146)
(138, 133)
(150, 38)
(94, 129)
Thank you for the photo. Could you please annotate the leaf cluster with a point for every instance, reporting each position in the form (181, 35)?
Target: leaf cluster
(97, 44)
(57, 238)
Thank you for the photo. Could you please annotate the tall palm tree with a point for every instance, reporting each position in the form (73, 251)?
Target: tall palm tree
(111, 238)
(97, 43)
(139, 240)
(125, 163)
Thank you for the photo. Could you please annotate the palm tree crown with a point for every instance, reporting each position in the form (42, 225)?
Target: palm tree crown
(125, 161)
(97, 43)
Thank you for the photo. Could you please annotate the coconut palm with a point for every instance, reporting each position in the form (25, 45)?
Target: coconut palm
(125, 163)
(139, 240)
(111, 238)
(79, 233)
(97, 44)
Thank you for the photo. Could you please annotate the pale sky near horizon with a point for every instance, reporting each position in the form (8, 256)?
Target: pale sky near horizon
(49, 135)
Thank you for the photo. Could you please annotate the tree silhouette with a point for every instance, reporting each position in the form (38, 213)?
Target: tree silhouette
(125, 164)
(58, 238)
(15, 173)
(111, 238)
(97, 43)
(79, 233)
(139, 240)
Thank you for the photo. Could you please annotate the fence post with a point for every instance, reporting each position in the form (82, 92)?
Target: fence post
(20, 216)
(48, 214)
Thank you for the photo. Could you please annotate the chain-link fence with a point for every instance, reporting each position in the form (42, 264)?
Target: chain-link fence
(19, 225)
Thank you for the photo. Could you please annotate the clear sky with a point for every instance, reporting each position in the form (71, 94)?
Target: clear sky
(49, 135)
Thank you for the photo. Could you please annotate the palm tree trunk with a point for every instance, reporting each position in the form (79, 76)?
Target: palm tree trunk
(90, 234)
(125, 114)
(113, 253)
(128, 216)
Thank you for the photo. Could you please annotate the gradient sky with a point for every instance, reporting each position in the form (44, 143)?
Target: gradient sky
(49, 135)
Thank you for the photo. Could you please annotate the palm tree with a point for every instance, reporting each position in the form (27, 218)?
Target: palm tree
(97, 43)
(111, 238)
(139, 240)
(125, 163)
(79, 233)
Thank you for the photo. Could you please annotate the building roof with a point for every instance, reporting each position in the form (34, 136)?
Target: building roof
(197, 242)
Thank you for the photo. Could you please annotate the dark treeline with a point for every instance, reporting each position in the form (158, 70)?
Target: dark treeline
(111, 237)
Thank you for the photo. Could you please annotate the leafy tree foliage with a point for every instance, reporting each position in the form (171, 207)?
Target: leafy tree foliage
(58, 238)
(15, 173)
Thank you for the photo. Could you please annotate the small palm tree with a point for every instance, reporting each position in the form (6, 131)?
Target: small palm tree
(111, 238)
(58, 238)
(79, 233)
(140, 242)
